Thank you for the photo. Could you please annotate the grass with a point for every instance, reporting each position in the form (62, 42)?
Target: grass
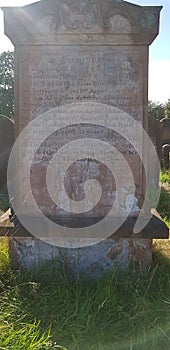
(44, 310)
(164, 203)
(165, 177)
(40, 310)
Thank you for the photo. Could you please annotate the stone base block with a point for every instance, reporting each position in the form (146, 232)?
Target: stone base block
(91, 261)
(123, 249)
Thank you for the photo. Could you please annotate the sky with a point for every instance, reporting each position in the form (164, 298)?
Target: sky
(159, 56)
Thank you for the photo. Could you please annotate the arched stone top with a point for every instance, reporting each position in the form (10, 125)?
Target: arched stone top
(49, 19)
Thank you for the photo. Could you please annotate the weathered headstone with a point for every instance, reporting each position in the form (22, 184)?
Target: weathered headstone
(81, 80)
(165, 131)
(166, 156)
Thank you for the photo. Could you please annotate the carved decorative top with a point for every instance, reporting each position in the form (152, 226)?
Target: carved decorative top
(119, 24)
(69, 17)
(80, 14)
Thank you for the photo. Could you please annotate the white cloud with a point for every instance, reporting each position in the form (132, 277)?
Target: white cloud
(159, 81)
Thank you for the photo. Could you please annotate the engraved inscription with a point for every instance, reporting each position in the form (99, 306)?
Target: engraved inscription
(57, 77)
(87, 156)
(110, 77)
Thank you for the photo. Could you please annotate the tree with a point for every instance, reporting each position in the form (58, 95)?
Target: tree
(167, 109)
(7, 84)
(156, 110)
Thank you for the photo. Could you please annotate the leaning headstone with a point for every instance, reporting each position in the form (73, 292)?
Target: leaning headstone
(81, 81)
(166, 156)
(165, 131)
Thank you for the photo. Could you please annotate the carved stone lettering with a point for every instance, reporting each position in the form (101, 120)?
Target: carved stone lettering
(55, 78)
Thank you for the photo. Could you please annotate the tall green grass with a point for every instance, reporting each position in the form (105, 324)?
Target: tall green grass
(43, 309)
(164, 202)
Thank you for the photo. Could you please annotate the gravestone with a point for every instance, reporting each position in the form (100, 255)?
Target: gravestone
(165, 156)
(81, 84)
(165, 131)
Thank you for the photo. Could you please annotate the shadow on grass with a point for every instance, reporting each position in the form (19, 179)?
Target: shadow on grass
(124, 310)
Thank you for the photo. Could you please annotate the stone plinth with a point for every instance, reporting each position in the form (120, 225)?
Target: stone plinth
(92, 261)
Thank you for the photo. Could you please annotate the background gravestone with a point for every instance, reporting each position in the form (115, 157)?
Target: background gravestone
(82, 51)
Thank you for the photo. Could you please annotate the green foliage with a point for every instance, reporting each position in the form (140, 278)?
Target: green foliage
(167, 109)
(159, 110)
(4, 202)
(156, 110)
(164, 205)
(165, 177)
(4, 261)
(7, 84)
(164, 201)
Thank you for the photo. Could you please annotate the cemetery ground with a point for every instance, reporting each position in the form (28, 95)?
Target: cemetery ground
(124, 311)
